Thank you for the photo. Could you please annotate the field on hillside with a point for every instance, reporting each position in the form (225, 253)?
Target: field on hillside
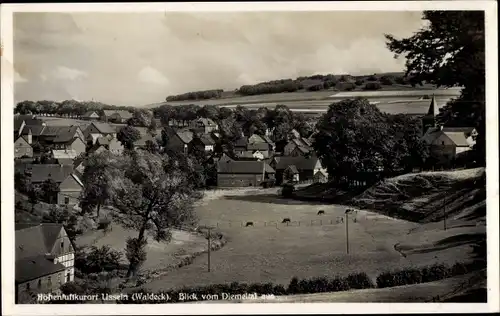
(310, 246)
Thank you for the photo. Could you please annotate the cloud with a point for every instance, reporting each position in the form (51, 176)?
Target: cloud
(140, 58)
(151, 75)
(65, 73)
(18, 78)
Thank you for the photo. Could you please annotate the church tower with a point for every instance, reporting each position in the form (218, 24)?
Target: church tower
(429, 120)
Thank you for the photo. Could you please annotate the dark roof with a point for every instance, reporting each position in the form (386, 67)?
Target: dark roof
(241, 142)
(206, 140)
(243, 167)
(36, 130)
(258, 146)
(104, 128)
(35, 240)
(42, 172)
(102, 141)
(32, 268)
(465, 130)
(144, 138)
(293, 169)
(66, 134)
(89, 113)
(185, 136)
(302, 163)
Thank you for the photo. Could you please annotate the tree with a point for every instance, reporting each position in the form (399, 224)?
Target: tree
(287, 175)
(99, 259)
(351, 138)
(141, 117)
(151, 194)
(26, 107)
(373, 85)
(97, 175)
(34, 194)
(152, 146)
(209, 111)
(50, 189)
(21, 182)
(450, 51)
(128, 136)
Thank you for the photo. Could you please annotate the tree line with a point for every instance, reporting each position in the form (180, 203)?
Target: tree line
(64, 108)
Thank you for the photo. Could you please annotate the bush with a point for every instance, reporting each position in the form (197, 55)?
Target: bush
(372, 78)
(387, 80)
(288, 190)
(359, 82)
(346, 86)
(372, 86)
(359, 281)
(98, 260)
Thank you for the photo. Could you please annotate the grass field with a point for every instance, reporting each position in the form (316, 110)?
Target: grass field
(273, 252)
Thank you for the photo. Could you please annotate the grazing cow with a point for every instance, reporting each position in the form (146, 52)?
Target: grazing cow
(249, 224)
(286, 220)
(321, 212)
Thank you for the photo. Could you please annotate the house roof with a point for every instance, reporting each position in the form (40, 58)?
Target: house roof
(459, 139)
(206, 140)
(256, 139)
(302, 163)
(144, 138)
(241, 142)
(123, 114)
(268, 139)
(64, 154)
(303, 149)
(250, 154)
(465, 130)
(320, 173)
(258, 146)
(36, 130)
(185, 136)
(104, 128)
(95, 148)
(243, 167)
(36, 240)
(66, 134)
(206, 121)
(293, 169)
(103, 140)
(32, 268)
(89, 113)
(42, 172)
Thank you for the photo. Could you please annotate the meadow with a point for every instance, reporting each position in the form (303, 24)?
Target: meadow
(311, 245)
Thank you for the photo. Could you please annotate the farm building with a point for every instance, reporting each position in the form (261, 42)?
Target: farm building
(297, 147)
(96, 130)
(116, 116)
(180, 140)
(204, 125)
(69, 185)
(64, 156)
(33, 131)
(90, 116)
(447, 143)
(307, 167)
(22, 147)
(44, 259)
(203, 142)
(320, 177)
(232, 173)
(69, 139)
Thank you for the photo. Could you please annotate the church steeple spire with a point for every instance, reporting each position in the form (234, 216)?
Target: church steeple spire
(433, 107)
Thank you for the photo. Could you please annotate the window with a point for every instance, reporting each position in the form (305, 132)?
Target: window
(49, 282)
(68, 277)
(27, 286)
(442, 143)
(66, 200)
(39, 283)
(62, 244)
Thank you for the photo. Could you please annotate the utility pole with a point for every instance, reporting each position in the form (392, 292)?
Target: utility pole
(444, 211)
(209, 246)
(347, 229)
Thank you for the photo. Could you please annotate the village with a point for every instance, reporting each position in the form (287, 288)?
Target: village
(290, 176)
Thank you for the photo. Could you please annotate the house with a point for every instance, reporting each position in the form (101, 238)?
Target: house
(22, 147)
(180, 140)
(204, 125)
(252, 155)
(70, 138)
(232, 173)
(292, 172)
(20, 121)
(95, 149)
(90, 116)
(306, 166)
(45, 259)
(69, 184)
(116, 116)
(203, 142)
(142, 142)
(34, 132)
(320, 177)
(115, 146)
(447, 143)
(97, 129)
(64, 156)
(303, 145)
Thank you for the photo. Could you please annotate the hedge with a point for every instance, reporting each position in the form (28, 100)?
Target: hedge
(305, 286)
(425, 274)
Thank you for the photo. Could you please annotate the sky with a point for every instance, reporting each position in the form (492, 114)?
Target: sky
(136, 59)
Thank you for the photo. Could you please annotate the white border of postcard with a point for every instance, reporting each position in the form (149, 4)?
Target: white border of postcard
(8, 306)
